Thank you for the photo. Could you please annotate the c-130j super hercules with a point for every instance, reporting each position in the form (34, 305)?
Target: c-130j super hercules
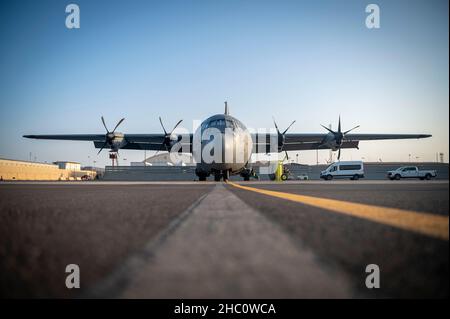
(222, 145)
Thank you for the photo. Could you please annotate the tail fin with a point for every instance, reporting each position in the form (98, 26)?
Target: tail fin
(226, 108)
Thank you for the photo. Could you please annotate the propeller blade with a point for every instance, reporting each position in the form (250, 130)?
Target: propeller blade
(117, 125)
(351, 129)
(164, 129)
(104, 124)
(276, 126)
(339, 153)
(328, 129)
(176, 125)
(282, 135)
(339, 124)
(101, 149)
(288, 128)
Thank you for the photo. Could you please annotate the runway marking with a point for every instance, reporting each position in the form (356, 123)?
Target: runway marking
(428, 224)
(227, 249)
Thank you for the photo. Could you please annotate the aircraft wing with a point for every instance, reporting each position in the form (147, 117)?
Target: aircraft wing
(69, 137)
(372, 137)
(293, 142)
(313, 141)
(302, 138)
(132, 141)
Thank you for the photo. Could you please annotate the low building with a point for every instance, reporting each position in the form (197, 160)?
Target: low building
(73, 166)
(24, 170)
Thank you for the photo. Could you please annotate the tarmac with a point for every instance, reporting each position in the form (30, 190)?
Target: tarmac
(297, 239)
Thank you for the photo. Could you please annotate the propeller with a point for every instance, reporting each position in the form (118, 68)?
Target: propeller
(281, 136)
(109, 136)
(167, 141)
(339, 136)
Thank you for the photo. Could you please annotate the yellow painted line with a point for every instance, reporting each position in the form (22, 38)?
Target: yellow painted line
(427, 224)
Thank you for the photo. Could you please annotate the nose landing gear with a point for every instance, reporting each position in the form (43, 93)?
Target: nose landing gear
(218, 175)
(221, 174)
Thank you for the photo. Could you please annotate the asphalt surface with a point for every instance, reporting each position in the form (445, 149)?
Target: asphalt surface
(207, 240)
(44, 227)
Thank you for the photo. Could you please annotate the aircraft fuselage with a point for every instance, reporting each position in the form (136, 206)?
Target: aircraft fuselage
(226, 146)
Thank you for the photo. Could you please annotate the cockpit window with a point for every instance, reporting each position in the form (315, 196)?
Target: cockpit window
(219, 122)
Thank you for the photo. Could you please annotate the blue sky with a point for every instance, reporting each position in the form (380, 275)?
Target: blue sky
(303, 60)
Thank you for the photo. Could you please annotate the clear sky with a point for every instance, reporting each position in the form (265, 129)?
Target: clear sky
(303, 60)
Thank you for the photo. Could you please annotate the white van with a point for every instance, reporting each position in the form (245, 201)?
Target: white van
(344, 169)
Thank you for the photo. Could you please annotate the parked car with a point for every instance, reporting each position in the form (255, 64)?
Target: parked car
(344, 169)
(303, 177)
(411, 172)
(86, 178)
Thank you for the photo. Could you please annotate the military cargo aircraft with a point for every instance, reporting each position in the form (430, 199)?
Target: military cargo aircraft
(222, 145)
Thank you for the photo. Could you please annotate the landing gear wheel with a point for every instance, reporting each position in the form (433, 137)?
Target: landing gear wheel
(202, 178)
(225, 175)
(217, 177)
